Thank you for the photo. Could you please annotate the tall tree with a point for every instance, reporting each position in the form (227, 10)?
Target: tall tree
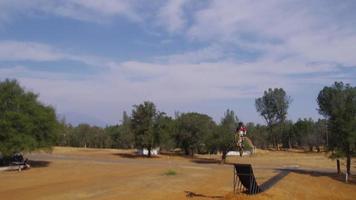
(143, 124)
(65, 133)
(82, 135)
(258, 134)
(287, 133)
(191, 131)
(25, 123)
(273, 107)
(338, 104)
(121, 134)
(165, 126)
(304, 130)
(223, 138)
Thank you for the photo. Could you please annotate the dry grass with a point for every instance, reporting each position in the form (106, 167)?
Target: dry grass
(75, 173)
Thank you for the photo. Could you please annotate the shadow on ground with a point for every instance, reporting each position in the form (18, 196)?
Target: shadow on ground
(209, 161)
(273, 180)
(133, 155)
(284, 172)
(190, 194)
(175, 154)
(38, 163)
(205, 161)
(333, 175)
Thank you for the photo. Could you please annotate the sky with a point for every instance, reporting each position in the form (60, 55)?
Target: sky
(93, 59)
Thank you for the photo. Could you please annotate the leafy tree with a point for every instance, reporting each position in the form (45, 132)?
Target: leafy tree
(82, 136)
(99, 139)
(258, 134)
(192, 130)
(273, 106)
(304, 131)
(144, 126)
(315, 137)
(65, 133)
(287, 133)
(225, 136)
(165, 126)
(121, 135)
(127, 137)
(338, 104)
(25, 123)
(321, 134)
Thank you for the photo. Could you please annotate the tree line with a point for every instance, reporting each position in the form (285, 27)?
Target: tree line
(195, 133)
(27, 124)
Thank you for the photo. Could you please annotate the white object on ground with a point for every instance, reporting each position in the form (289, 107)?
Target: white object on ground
(237, 153)
(14, 167)
(144, 151)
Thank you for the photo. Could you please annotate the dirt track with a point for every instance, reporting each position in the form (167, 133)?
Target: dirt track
(70, 173)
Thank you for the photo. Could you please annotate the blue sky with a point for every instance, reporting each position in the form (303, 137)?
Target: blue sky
(93, 59)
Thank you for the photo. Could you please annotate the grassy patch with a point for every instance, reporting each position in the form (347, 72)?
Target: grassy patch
(170, 172)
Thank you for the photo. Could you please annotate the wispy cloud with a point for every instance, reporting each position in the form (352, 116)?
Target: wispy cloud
(171, 15)
(83, 10)
(232, 49)
(281, 29)
(15, 50)
(12, 50)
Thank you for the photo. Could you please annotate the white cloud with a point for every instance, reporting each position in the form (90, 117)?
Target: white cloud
(206, 54)
(290, 39)
(107, 94)
(280, 29)
(92, 10)
(12, 50)
(83, 10)
(171, 15)
(15, 50)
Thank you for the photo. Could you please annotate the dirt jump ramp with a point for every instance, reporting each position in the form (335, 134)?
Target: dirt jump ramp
(244, 179)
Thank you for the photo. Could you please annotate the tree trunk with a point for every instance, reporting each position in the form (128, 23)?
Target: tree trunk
(348, 166)
(327, 138)
(223, 156)
(186, 151)
(318, 149)
(149, 151)
(310, 148)
(289, 142)
(338, 166)
(191, 152)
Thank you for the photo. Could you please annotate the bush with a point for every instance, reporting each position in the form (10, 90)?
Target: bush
(247, 146)
(170, 173)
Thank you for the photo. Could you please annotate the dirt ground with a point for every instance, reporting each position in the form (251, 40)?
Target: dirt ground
(75, 173)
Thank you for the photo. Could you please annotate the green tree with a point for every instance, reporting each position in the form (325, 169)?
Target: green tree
(287, 134)
(338, 104)
(144, 126)
(165, 125)
(82, 136)
(304, 131)
(258, 134)
(25, 123)
(321, 134)
(99, 138)
(65, 133)
(191, 131)
(273, 107)
(121, 135)
(223, 138)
